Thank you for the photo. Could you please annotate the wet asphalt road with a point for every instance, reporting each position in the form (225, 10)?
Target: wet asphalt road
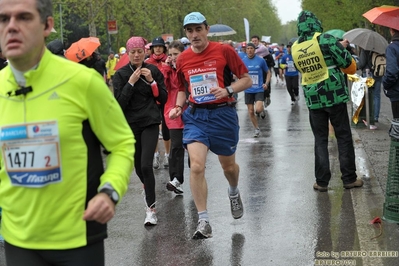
(285, 221)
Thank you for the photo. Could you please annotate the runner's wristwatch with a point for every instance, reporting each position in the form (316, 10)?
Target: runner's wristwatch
(111, 193)
(230, 91)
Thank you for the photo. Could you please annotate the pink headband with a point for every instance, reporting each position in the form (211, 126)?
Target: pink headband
(135, 42)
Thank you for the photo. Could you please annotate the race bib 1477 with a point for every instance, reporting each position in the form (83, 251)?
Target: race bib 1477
(31, 153)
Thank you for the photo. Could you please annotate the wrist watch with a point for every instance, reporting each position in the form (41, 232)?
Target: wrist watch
(111, 193)
(230, 91)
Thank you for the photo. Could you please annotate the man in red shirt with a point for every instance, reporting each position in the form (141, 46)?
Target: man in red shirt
(210, 121)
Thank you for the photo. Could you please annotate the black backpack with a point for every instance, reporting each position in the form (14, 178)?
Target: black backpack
(269, 60)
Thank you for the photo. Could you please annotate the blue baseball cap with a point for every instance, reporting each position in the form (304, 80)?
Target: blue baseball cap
(194, 18)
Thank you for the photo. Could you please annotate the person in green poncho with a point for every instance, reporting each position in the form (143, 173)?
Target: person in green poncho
(321, 59)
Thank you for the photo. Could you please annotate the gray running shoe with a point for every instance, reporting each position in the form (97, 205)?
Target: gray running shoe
(257, 132)
(155, 163)
(175, 186)
(204, 230)
(166, 161)
(263, 115)
(268, 101)
(237, 209)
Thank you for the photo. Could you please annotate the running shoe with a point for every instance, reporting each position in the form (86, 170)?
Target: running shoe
(166, 161)
(267, 102)
(204, 230)
(237, 209)
(257, 132)
(155, 163)
(174, 186)
(150, 217)
(293, 103)
(263, 115)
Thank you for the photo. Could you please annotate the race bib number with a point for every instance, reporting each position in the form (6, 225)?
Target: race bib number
(291, 66)
(255, 80)
(31, 153)
(201, 86)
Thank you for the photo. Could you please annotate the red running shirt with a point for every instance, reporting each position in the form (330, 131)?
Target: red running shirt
(213, 67)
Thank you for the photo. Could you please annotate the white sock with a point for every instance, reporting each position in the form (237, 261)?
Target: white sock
(233, 191)
(203, 215)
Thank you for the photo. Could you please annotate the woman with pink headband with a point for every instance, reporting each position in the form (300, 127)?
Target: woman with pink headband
(138, 87)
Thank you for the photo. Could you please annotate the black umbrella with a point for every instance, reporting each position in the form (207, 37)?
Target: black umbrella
(220, 30)
(292, 40)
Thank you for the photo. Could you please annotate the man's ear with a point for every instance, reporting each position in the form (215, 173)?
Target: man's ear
(48, 25)
(49, 20)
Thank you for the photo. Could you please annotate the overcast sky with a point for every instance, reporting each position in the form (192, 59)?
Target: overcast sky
(288, 9)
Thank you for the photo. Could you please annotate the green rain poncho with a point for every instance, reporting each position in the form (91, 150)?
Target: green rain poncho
(332, 90)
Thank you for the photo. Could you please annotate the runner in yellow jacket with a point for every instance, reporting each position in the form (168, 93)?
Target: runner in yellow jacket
(55, 115)
(110, 65)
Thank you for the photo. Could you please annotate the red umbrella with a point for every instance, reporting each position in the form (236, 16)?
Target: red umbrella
(387, 16)
(82, 49)
(122, 61)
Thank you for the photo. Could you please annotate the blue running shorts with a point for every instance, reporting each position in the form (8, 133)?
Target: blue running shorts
(218, 129)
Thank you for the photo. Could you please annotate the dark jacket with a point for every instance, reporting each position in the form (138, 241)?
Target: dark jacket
(390, 80)
(95, 61)
(99, 65)
(56, 47)
(364, 60)
(333, 90)
(138, 102)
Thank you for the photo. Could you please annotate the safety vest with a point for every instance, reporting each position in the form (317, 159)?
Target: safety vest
(309, 60)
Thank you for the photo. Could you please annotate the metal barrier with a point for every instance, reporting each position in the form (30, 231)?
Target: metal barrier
(391, 205)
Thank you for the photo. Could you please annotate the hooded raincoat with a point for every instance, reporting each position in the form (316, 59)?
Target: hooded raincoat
(333, 90)
(326, 97)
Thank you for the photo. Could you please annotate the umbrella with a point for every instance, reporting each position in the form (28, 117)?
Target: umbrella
(387, 16)
(122, 61)
(367, 39)
(292, 40)
(337, 33)
(82, 49)
(220, 30)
